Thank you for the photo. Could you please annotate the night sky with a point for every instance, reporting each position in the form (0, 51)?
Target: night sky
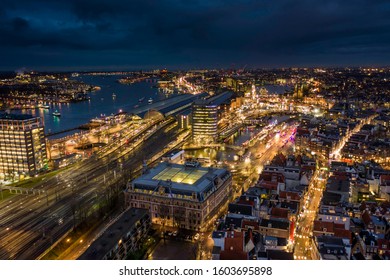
(144, 34)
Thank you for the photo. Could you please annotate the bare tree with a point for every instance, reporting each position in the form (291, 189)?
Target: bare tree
(179, 216)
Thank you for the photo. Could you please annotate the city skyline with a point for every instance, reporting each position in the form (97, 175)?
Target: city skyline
(195, 130)
(217, 165)
(43, 35)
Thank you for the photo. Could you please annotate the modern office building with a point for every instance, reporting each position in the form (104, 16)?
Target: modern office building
(22, 145)
(186, 196)
(205, 116)
(204, 121)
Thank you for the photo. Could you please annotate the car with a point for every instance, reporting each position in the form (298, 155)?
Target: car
(196, 237)
(174, 233)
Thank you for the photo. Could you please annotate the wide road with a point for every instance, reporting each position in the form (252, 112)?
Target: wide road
(304, 227)
(261, 155)
(31, 224)
(250, 173)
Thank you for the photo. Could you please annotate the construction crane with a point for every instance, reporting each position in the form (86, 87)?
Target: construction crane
(240, 71)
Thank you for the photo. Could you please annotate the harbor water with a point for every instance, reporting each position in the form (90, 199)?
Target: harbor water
(112, 98)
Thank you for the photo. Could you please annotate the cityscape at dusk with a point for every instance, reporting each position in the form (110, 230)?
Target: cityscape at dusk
(131, 35)
(195, 130)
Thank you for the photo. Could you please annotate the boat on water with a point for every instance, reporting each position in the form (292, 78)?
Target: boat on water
(141, 99)
(113, 96)
(42, 106)
(136, 106)
(98, 120)
(150, 100)
(57, 114)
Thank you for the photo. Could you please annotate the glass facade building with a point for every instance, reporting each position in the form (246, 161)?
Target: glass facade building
(22, 146)
(206, 114)
(204, 121)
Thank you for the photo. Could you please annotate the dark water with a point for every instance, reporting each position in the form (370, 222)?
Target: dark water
(101, 102)
(243, 135)
(227, 154)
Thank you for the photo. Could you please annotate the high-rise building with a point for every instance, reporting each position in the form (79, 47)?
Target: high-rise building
(206, 114)
(204, 121)
(22, 145)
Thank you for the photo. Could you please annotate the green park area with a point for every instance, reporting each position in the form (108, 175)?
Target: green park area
(29, 183)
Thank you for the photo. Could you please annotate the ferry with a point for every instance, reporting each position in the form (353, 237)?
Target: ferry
(57, 114)
(98, 120)
(150, 101)
(42, 106)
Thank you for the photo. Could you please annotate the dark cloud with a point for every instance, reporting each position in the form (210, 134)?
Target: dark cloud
(193, 33)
